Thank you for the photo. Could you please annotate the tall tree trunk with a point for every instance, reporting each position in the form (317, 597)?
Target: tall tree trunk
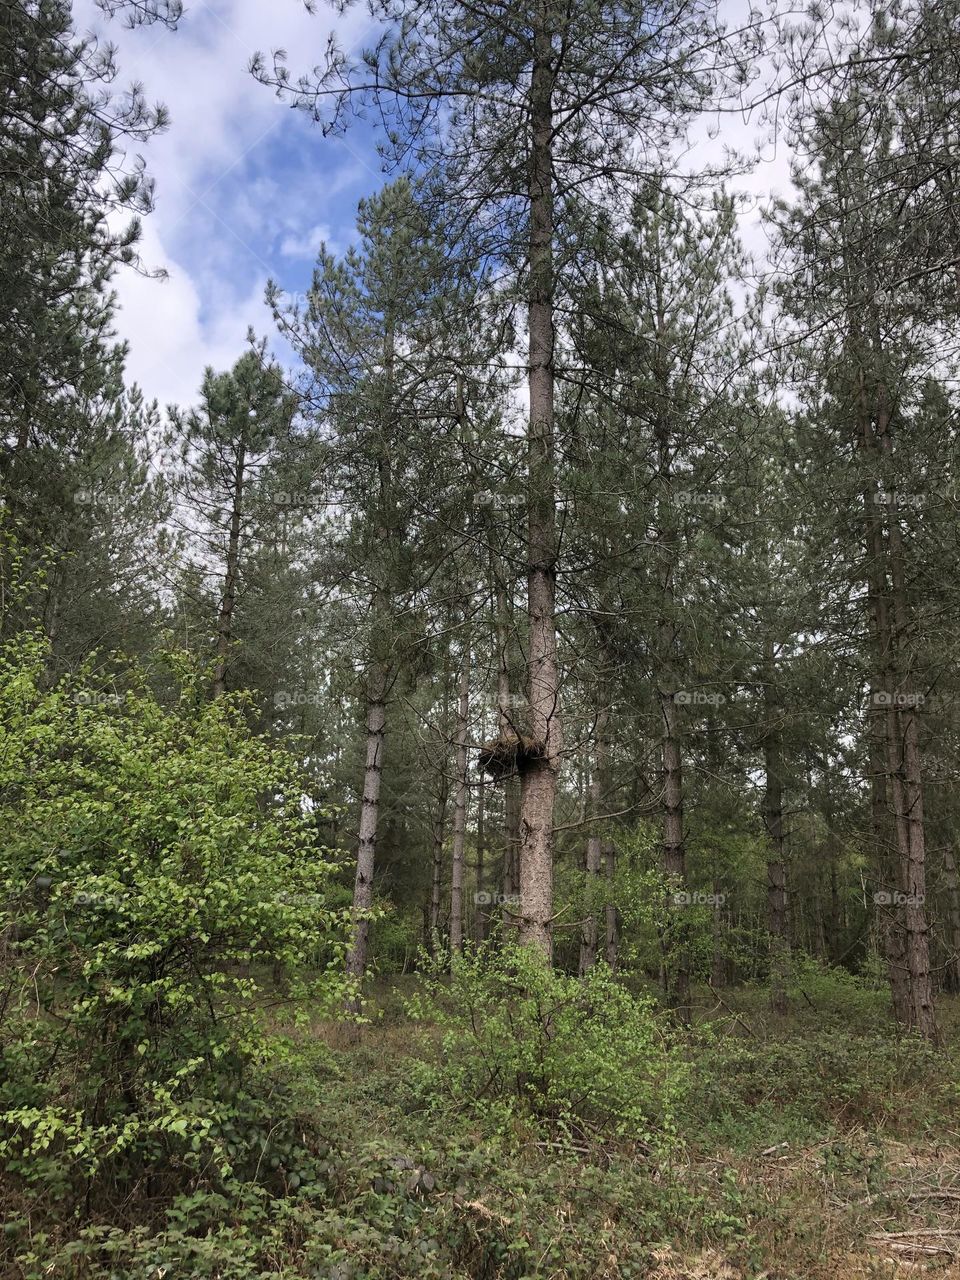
(888, 866)
(719, 965)
(890, 615)
(378, 680)
(675, 940)
(442, 796)
(590, 928)
(511, 851)
(436, 879)
(922, 1018)
(229, 597)
(369, 816)
(482, 915)
(834, 941)
(509, 722)
(611, 949)
(951, 977)
(538, 784)
(460, 803)
(773, 821)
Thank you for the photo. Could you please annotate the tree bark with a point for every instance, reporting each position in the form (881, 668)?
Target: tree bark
(888, 865)
(538, 782)
(676, 973)
(922, 1018)
(460, 804)
(228, 599)
(773, 822)
(719, 967)
(508, 722)
(482, 915)
(951, 977)
(511, 851)
(890, 618)
(611, 950)
(369, 816)
(436, 879)
(590, 927)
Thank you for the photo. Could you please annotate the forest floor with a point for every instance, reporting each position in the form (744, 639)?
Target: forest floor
(815, 1146)
(819, 1145)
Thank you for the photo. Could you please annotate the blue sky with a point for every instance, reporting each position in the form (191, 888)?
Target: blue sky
(246, 187)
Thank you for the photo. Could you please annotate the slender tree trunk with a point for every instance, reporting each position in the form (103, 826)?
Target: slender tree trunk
(539, 776)
(888, 864)
(439, 822)
(611, 950)
(675, 942)
(378, 681)
(951, 977)
(834, 947)
(228, 599)
(369, 816)
(773, 821)
(482, 915)
(511, 852)
(922, 1018)
(442, 796)
(590, 927)
(509, 722)
(890, 614)
(719, 965)
(460, 803)
(777, 929)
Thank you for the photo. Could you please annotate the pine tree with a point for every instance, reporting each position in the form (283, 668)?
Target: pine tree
(230, 452)
(872, 350)
(512, 113)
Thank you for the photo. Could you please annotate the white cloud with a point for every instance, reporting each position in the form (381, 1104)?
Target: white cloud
(309, 244)
(175, 332)
(231, 203)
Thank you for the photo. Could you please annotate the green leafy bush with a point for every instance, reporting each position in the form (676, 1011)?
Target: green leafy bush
(836, 993)
(753, 1093)
(522, 1040)
(394, 937)
(161, 885)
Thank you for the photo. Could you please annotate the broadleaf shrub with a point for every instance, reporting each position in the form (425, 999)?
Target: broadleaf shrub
(162, 885)
(523, 1041)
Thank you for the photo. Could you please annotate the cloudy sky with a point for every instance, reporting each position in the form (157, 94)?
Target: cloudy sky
(246, 187)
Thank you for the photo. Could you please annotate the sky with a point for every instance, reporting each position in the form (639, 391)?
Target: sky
(246, 187)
